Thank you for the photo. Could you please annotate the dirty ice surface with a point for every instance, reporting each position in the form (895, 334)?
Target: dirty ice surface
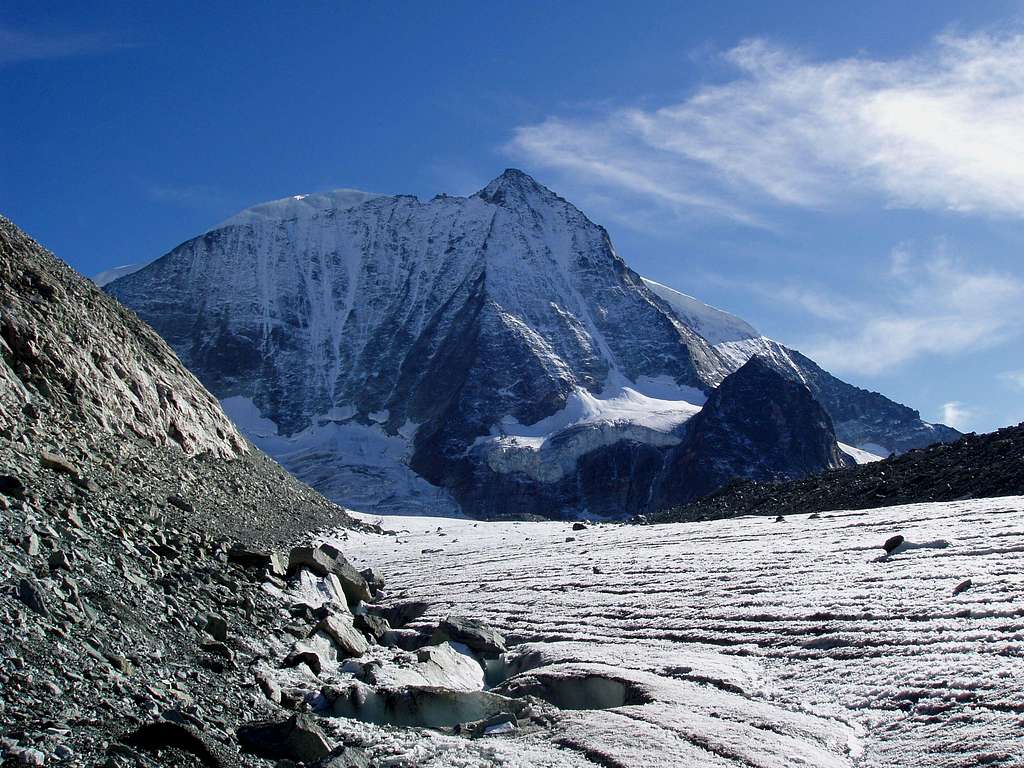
(743, 642)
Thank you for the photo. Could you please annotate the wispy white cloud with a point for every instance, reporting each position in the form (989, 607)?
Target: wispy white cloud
(923, 307)
(957, 415)
(1014, 379)
(940, 130)
(17, 46)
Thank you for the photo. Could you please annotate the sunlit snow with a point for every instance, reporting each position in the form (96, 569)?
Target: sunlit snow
(745, 642)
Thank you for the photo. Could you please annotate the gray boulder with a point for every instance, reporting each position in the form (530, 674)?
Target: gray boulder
(473, 633)
(298, 738)
(400, 614)
(348, 640)
(324, 560)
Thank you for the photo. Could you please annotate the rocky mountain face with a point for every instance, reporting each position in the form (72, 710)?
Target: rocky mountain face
(67, 344)
(491, 353)
(862, 418)
(756, 424)
(126, 498)
(973, 467)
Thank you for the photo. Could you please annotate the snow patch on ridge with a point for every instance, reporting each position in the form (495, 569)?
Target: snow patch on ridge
(299, 207)
(650, 411)
(860, 455)
(713, 324)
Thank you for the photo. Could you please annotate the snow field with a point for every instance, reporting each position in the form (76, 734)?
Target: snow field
(746, 641)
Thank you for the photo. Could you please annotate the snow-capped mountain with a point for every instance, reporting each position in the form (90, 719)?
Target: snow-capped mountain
(110, 275)
(491, 352)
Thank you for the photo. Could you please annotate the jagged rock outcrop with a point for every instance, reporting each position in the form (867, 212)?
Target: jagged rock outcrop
(862, 418)
(756, 425)
(473, 352)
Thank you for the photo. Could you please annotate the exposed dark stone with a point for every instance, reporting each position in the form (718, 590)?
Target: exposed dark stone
(216, 627)
(257, 558)
(473, 633)
(58, 560)
(31, 594)
(297, 738)
(166, 734)
(12, 486)
(307, 652)
(373, 579)
(400, 614)
(347, 757)
(375, 626)
(579, 527)
(757, 424)
(217, 648)
(963, 586)
(892, 543)
(177, 501)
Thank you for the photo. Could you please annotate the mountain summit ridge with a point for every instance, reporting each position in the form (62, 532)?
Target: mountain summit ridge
(389, 341)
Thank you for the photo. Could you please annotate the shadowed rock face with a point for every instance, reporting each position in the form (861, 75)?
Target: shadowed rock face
(435, 324)
(757, 425)
(976, 466)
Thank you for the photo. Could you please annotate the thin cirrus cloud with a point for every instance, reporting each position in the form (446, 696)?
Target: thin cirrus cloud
(938, 131)
(931, 306)
(1014, 379)
(20, 46)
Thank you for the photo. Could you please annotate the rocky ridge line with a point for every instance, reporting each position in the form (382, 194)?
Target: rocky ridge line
(974, 467)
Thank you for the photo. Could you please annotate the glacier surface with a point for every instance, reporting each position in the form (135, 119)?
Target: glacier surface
(741, 642)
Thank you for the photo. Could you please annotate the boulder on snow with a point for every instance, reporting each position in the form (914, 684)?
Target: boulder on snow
(324, 560)
(298, 738)
(963, 586)
(473, 633)
(892, 543)
(348, 640)
(315, 652)
(400, 614)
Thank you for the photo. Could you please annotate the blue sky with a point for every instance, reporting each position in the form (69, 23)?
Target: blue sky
(849, 177)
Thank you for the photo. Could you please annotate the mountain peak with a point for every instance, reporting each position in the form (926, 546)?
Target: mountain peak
(300, 206)
(513, 181)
